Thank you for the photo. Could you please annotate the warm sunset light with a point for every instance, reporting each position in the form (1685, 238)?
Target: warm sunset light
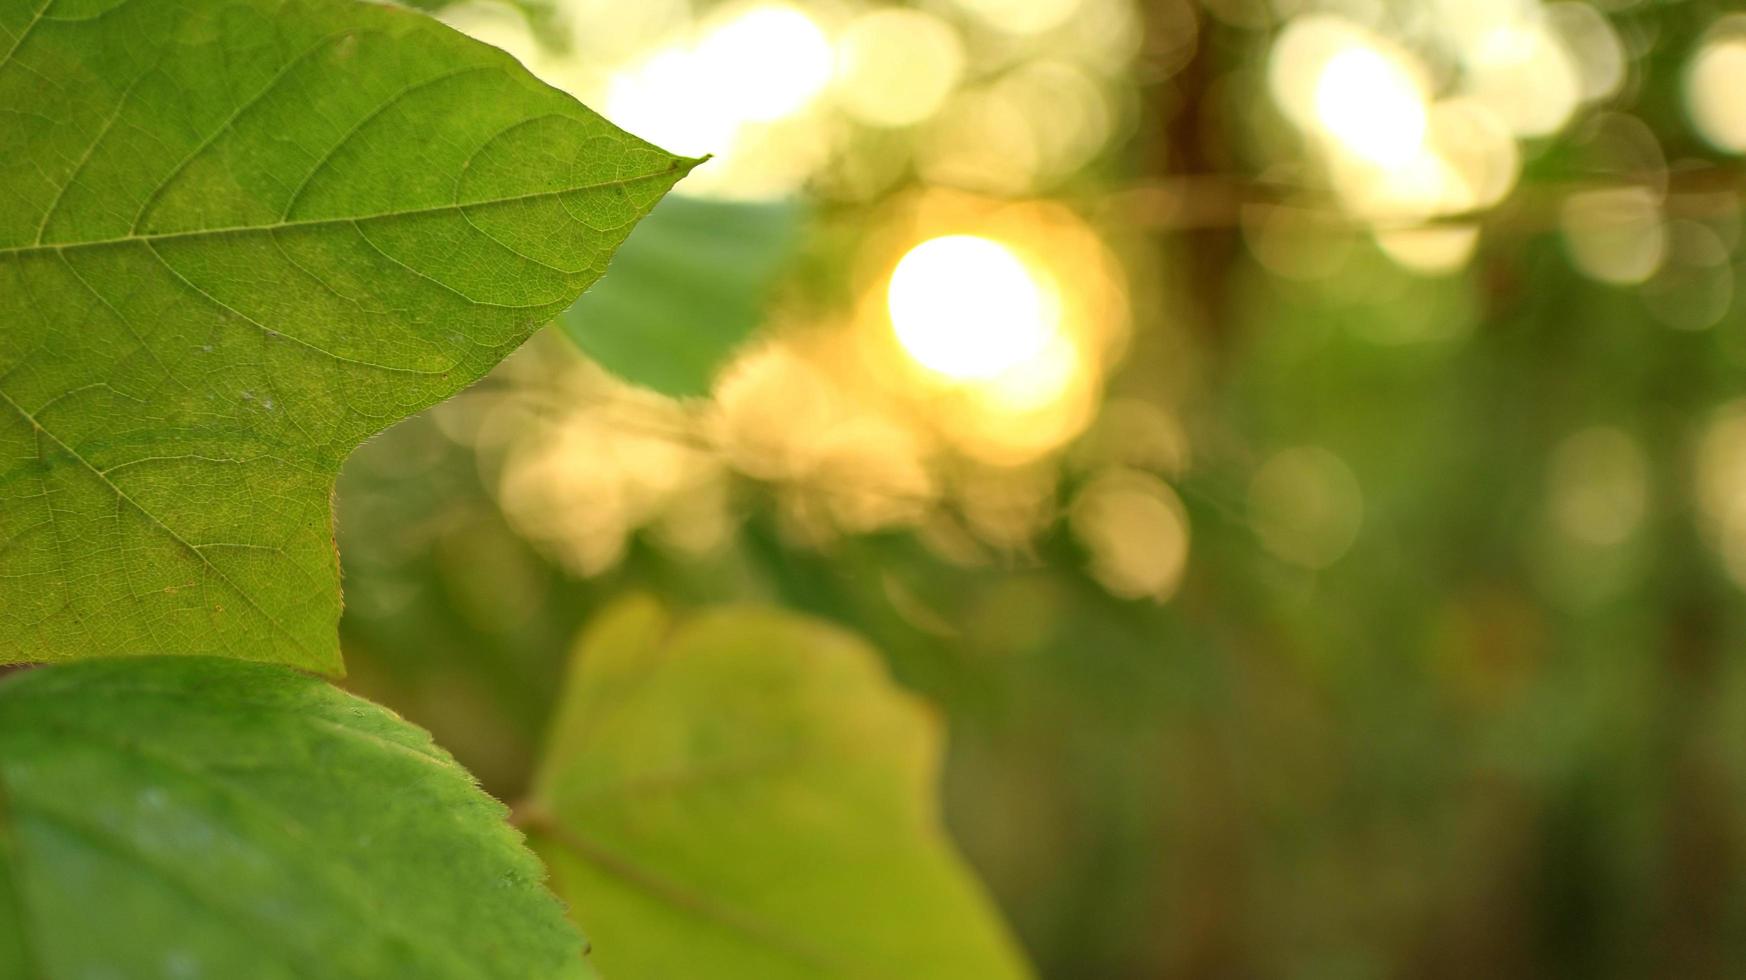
(968, 308)
(939, 489)
(1371, 105)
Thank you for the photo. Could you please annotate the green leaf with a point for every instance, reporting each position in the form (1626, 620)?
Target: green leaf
(236, 239)
(747, 795)
(200, 817)
(687, 288)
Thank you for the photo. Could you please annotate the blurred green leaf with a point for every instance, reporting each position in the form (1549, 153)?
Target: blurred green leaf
(190, 816)
(240, 239)
(687, 288)
(746, 794)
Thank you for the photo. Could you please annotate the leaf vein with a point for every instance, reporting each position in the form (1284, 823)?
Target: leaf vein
(225, 126)
(94, 471)
(350, 133)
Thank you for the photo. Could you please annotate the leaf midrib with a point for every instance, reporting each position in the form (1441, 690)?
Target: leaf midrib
(270, 227)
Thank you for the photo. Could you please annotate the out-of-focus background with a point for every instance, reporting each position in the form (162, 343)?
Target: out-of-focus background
(1299, 446)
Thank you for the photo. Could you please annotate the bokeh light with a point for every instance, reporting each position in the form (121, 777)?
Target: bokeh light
(1598, 486)
(1433, 250)
(1593, 46)
(1721, 487)
(1371, 104)
(764, 61)
(968, 308)
(1714, 83)
(1694, 288)
(740, 86)
(580, 482)
(981, 141)
(1615, 236)
(994, 321)
(1522, 72)
(745, 82)
(1306, 506)
(1021, 16)
(611, 32)
(1420, 117)
(897, 67)
(1135, 531)
(1393, 153)
(658, 99)
(1327, 74)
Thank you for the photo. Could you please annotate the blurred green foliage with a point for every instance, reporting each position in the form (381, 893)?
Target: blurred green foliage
(745, 794)
(1494, 735)
(687, 288)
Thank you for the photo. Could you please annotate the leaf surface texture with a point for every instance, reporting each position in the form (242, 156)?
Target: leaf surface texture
(236, 239)
(205, 817)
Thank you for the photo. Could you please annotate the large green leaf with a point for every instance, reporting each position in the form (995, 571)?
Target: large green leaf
(201, 817)
(235, 240)
(687, 289)
(748, 795)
